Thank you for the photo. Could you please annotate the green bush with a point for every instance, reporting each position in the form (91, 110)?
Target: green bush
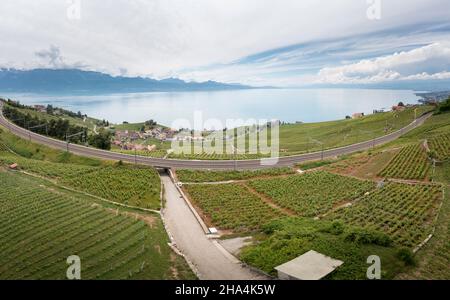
(335, 228)
(365, 236)
(406, 255)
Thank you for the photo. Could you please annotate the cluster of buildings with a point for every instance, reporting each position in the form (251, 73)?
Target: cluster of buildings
(129, 139)
(43, 109)
(395, 108)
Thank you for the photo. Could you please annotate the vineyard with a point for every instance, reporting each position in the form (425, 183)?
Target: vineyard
(3, 147)
(155, 154)
(45, 168)
(231, 206)
(312, 194)
(215, 176)
(41, 227)
(410, 163)
(440, 146)
(214, 156)
(130, 185)
(404, 212)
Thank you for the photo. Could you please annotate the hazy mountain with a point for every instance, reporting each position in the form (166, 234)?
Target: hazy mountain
(78, 81)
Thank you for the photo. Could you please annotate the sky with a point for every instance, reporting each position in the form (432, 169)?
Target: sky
(286, 43)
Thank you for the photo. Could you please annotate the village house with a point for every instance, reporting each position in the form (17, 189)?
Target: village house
(398, 108)
(40, 108)
(357, 115)
(121, 134)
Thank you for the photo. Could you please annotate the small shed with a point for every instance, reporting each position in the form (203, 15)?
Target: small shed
(310, 266)
(13, 166)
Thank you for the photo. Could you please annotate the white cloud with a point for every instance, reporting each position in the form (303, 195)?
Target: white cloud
(162, 38)
(398, 66)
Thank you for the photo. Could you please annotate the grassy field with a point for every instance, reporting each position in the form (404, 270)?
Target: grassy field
(41, 225)
(287, 238)
(311, 194)
(216, 176)
(364, 165)
(231, 207)
(309, 137)
(405, 212)
(89, 122)
(31, 150)
(410, 163)
(300, 138)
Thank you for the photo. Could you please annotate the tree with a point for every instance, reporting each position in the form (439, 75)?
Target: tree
(102, 140)
(444, 106)
(401, 104)
(50, 109)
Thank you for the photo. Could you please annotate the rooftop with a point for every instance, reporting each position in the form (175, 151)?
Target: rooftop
(310, 266)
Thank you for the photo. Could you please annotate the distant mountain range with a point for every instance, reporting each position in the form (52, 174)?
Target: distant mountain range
(79, 81)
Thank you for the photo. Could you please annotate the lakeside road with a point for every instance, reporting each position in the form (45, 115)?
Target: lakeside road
(254, 164)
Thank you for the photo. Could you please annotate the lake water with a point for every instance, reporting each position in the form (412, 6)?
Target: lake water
(290, 105)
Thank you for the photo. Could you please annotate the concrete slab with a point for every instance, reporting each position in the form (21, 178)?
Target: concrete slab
(310, 266)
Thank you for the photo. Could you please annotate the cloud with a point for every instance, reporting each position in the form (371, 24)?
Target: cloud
(52, 56)
(398, 66)
(271, 42)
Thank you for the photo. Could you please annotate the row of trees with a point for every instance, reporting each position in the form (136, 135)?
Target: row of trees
(59, 129)
(51, 111)
(444, 106)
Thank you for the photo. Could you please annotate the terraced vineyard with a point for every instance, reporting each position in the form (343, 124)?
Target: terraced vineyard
(231, 206)
(40, 227)
(440, 146)
(207, 156)
(405, 212)
(3, 147)
(214, 176)
(155, 154)
(45, 168)
(130, 185)
(311, 194)
(410, 163)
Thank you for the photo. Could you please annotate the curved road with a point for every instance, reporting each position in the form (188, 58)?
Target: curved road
(207, 164)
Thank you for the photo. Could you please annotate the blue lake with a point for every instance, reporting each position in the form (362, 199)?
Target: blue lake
(290, 105)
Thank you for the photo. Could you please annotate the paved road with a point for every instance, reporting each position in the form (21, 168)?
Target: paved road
(207, 164)
(210, 262)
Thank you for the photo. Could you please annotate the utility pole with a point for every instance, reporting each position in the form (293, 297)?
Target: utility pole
(235, 156)
(37, 126)
(373, 141)
(69, 136)
(321, 147)
(321, 156)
